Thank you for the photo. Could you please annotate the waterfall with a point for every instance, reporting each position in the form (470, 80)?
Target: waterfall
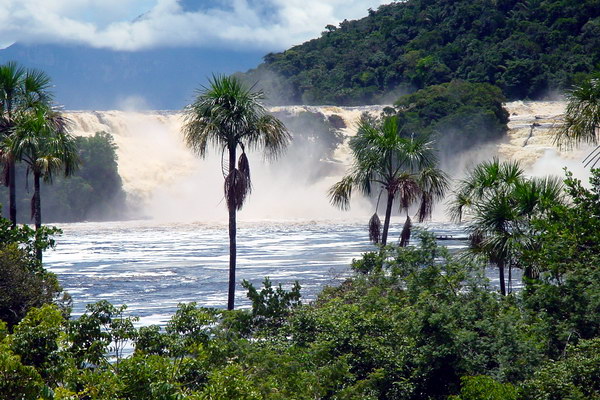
(160, 174)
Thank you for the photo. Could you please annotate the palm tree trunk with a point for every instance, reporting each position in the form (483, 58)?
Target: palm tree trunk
(510, 278)
(501, 273)
(37, 208)
(232, 242)
(12, 193)
(388, 216)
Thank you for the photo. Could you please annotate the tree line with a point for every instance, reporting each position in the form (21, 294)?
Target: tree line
(412, 323)
(529, 49)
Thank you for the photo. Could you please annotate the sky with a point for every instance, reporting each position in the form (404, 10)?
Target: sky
(132, 25)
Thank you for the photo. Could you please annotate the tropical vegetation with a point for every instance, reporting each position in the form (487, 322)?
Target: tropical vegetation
(24, 283)
(92, 192)
(582, 118)
(229, 115)
(22, 91)
(501, 203)
(411, 323)
(41, 141)
(314, 139)
(527, 48)
(401, 166)
(460, 115)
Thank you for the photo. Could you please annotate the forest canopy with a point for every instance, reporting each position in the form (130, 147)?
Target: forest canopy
(528, 48)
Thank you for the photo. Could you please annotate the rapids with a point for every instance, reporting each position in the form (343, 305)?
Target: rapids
(157, 169)
(287, 230)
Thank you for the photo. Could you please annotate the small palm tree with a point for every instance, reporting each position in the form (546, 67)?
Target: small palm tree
(582, 119)
(501, 202)
(20, 90)
(402, 168)
(228, 115)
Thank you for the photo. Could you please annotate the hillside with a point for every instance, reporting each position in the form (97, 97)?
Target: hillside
(529, 48)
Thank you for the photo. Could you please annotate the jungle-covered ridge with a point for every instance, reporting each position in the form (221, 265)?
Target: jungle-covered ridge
(529, 48)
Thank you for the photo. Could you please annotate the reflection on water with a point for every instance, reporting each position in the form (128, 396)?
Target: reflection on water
(152, 266)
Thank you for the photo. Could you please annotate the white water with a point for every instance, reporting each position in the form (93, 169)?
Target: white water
(288, 230)
(165, 181)
(153, 266)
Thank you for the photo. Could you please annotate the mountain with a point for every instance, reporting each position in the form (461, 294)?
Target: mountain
(100, 79)
(529, 48)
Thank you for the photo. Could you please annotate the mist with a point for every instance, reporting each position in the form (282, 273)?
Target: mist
(166, 182)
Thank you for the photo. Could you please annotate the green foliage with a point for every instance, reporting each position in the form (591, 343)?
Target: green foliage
(38, 339)
(528, 49)
(17, 381)
(314, 139)
(24, 283)
(573, 377)
(148, 378)
(460, 114)
(271, 306)
(93, 192)
(485, 388)
(230, 382)
(566, 252)
(413, 327)
(101, 332)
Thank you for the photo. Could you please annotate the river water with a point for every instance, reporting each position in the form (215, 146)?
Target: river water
(152, 266)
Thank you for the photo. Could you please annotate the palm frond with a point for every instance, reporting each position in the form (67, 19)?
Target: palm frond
(226, 113)
(244, 168)
(236, 189)
(341, 192)
(271, 135)
(582, 116)
(458, 204)
(406, 231)
(406, 189)
(496, 213)
(375, 229)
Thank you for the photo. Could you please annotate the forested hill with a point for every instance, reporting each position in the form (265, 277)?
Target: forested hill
(529, 48)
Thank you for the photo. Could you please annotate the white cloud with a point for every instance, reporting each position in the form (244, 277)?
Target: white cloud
(262, 24)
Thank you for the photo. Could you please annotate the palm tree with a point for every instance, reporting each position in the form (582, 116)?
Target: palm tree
(501, 202)
(20, 90)
(228, 115)
(42, 141)
(404, 168)
(582, 119)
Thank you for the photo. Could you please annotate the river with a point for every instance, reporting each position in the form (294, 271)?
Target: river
(152, 266)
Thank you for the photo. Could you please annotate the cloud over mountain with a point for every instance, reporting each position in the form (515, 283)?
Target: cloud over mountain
(146, 24)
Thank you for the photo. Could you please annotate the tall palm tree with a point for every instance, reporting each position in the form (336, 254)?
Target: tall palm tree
(501, 202)
(402, 168)
(41, 140)
(582, 119)
(20, 90)
(229, 115)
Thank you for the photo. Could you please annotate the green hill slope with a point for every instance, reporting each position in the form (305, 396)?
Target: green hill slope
(529, 48)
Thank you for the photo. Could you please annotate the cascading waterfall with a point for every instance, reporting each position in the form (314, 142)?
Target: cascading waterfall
(169, 182)
(287, 231)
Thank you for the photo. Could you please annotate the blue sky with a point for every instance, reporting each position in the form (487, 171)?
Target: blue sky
(132, 25)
